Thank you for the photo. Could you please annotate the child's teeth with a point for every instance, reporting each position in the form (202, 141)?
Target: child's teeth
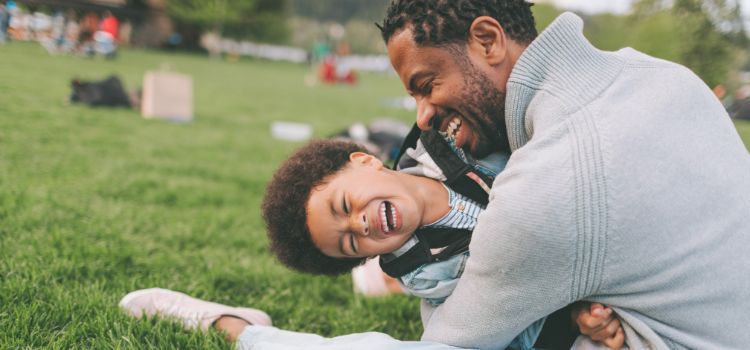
(393, 216)
(383, 219)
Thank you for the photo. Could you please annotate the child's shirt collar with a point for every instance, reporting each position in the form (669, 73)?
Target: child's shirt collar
(463, 214)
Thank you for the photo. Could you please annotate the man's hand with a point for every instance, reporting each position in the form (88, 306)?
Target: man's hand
(600, 324)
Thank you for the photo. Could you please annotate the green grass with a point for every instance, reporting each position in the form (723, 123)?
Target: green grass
(98, 202)
(743, 127)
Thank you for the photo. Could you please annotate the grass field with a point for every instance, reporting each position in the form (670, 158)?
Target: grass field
(97, 202)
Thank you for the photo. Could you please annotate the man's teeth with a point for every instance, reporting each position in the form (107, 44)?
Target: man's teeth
(453, 127)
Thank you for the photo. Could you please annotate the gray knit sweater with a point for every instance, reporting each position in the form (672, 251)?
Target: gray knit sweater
(628, 185)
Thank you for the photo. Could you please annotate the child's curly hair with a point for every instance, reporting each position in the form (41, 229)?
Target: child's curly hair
(285, 206)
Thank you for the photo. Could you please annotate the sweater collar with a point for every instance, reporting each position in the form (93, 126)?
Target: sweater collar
(562, 62)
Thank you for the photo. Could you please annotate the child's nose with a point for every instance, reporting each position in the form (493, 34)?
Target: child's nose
(364, 229)
(365, 226)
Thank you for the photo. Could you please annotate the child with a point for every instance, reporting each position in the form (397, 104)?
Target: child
(331, 205)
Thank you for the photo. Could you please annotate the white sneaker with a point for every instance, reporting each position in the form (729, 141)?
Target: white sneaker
(193, 313)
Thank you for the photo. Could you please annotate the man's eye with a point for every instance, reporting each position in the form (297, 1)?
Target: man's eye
(426, 88)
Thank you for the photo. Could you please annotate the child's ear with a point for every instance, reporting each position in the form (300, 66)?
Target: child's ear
(365, 159)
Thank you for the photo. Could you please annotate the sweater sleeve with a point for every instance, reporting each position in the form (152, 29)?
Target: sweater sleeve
(523, 263)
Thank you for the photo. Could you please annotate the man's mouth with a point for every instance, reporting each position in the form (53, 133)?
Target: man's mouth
(388, 217)
(450, 128)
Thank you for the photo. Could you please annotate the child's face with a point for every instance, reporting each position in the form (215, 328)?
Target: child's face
(363, 210)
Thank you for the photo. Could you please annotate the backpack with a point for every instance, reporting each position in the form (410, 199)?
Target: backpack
(461, 178)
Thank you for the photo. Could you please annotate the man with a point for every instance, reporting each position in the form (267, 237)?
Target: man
(627, 185)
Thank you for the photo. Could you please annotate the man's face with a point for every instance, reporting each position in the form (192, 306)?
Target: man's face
(452, 94)
(363, 210)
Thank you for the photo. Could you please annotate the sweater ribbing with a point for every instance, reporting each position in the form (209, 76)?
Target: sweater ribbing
(560, 61)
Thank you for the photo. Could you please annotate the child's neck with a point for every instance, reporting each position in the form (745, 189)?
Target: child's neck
(431, 195)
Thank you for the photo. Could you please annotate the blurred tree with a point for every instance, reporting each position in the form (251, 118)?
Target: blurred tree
(608, 31)
(705, 35)
(263, 20)
(312, 21)
(707, 51)
(647, 8)
(544, 14)
(658, 35)
(341, 11)
(708, 36)
(726, 15)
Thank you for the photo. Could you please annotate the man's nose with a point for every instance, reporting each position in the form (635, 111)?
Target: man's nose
(425, 113)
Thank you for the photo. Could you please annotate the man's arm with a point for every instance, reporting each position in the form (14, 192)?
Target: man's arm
(526, 255)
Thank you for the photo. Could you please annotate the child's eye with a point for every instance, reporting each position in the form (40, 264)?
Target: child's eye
(351, 244)
(343, 205)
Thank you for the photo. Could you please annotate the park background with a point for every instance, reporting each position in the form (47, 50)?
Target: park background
(97, 202)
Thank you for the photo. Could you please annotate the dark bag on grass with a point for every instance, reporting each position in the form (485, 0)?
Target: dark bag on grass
(109, 92)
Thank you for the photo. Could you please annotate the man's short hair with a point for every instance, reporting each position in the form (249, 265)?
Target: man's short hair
(285, 206)
(445, 22)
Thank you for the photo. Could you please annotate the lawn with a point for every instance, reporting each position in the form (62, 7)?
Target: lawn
(98, 202)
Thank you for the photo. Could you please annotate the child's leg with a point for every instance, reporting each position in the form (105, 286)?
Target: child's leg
(270, 338)
(231, 326)
(250, 328)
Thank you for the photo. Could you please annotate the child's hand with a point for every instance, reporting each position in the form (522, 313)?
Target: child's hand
(600, 324)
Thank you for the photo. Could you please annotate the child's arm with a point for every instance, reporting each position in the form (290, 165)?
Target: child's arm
(599, 323)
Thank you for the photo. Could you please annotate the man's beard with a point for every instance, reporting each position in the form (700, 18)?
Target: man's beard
(484, 111)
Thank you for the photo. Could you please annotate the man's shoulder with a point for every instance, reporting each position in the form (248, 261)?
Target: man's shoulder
(636, 61)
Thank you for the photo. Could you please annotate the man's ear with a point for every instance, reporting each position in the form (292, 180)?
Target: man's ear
(365, 159)
(487, 39)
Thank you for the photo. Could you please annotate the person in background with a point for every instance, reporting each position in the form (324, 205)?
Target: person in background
(126, 30)
(88, 27)
(4, 22)
(106, 36)
(72, 31)
(110, 24)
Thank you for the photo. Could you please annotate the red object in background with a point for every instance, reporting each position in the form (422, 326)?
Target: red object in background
(110, 25)
(350, 78)
(328, 74)
(328, 71)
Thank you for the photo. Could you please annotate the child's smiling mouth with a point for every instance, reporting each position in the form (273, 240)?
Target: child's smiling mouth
(389, 217)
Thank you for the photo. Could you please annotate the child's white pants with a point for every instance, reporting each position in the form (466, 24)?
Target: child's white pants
(271, 338)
